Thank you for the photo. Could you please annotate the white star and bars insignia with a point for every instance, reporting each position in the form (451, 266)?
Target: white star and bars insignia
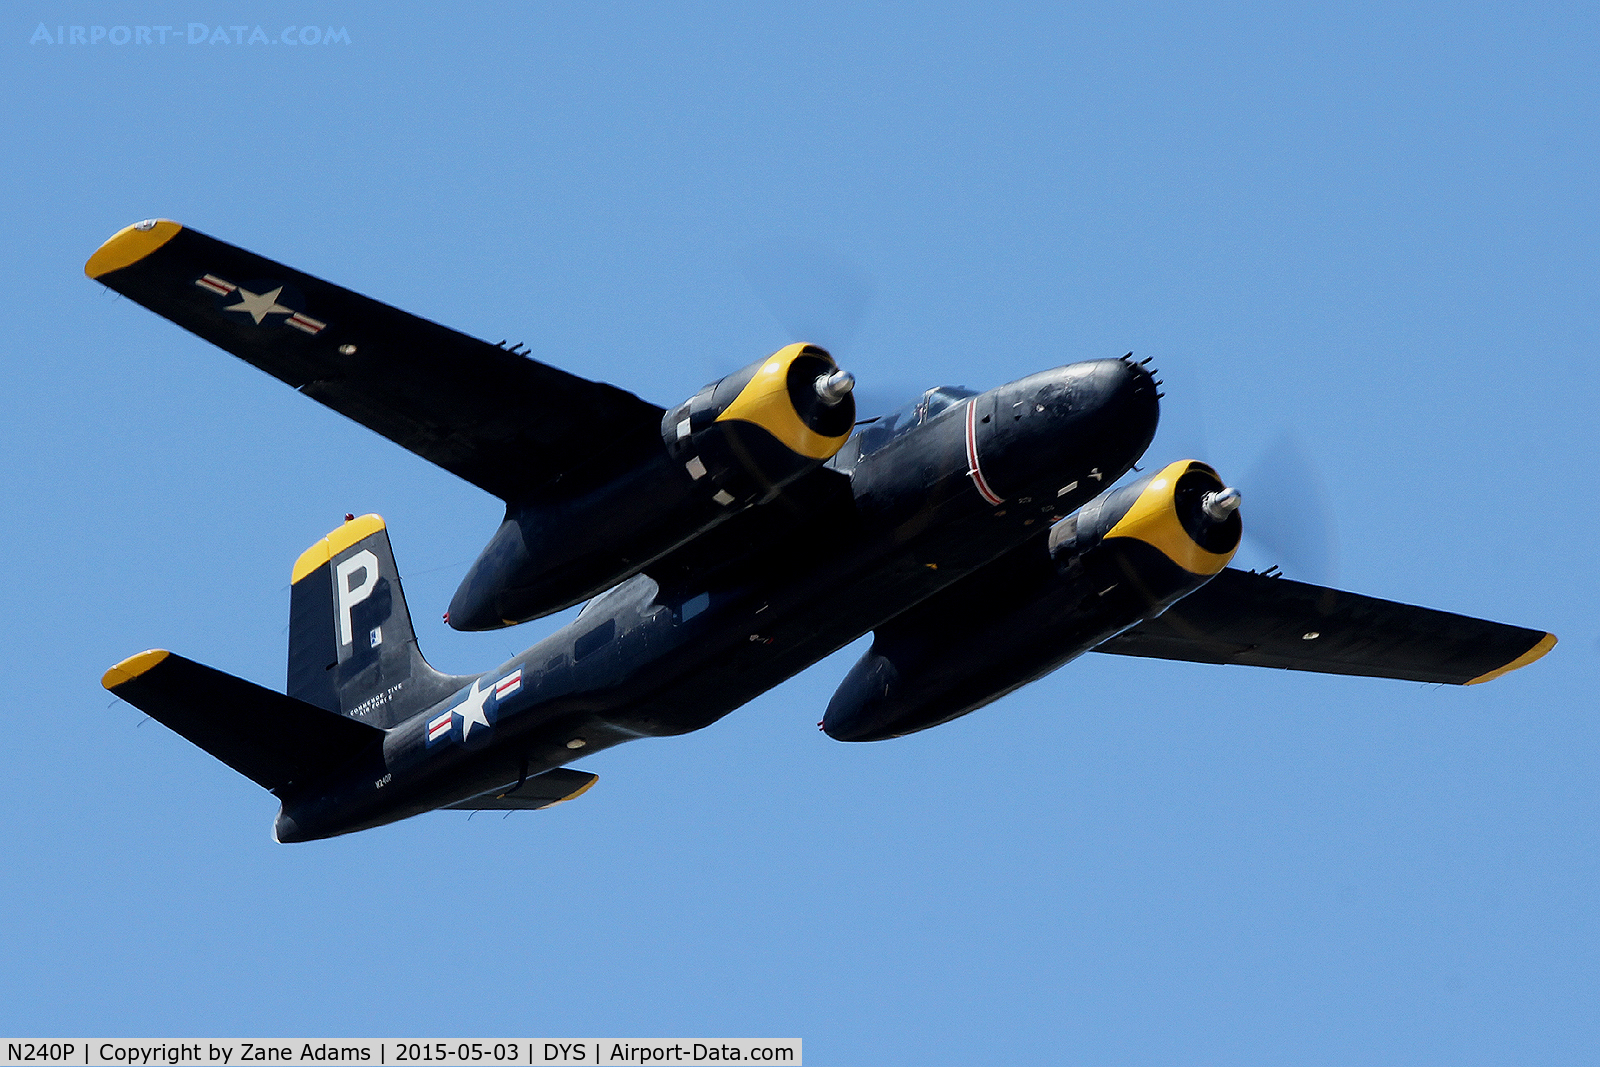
(457, 722)
(259, 305)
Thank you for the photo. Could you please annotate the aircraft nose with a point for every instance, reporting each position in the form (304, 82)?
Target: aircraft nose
(1084, 422)
(1125, 405)
(1119, 393)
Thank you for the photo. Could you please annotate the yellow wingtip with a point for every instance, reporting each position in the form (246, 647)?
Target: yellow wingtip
(335, 543)
(131, 244)
(132, 667)
(1545, 644)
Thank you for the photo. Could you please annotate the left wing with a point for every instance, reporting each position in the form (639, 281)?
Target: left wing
(1246, 618)
(502, 421)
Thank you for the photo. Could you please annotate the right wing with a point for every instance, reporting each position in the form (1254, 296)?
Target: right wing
(505, 423)
(1247, 618)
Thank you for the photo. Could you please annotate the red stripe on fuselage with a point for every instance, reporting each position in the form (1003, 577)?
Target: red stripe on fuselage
(973, 470)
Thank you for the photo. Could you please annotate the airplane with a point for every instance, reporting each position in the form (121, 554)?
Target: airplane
(721, 546)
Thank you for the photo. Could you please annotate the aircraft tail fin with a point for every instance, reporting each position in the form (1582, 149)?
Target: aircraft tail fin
(352, 649)
(272, 739)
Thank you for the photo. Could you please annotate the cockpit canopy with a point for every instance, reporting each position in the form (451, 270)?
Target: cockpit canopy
(925, 408)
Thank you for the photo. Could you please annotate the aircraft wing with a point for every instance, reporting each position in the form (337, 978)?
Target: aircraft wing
(1246, 618)
(505, 423)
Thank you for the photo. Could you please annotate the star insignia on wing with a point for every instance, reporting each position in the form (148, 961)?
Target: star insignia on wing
(259, 305)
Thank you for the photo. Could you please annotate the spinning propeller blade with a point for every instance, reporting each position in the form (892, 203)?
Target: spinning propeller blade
(820, 295)
(1290, 512)
(815, 293)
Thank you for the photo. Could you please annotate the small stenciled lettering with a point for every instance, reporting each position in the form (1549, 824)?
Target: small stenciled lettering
(376, 701)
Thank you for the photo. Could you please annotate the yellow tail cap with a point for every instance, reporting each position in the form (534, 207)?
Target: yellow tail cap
(336, 542)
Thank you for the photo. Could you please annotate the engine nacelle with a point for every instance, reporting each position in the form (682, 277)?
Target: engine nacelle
(733, 445)
(759, 429)
(1122, 558)
(1182, 512)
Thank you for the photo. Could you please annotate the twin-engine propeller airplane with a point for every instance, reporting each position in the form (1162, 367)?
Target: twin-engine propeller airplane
(723, 545)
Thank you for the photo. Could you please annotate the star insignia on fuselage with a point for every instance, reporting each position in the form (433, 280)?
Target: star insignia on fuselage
(471, 709)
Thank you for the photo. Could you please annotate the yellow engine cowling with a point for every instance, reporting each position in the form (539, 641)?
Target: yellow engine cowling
(760, 428)
(1169, 514)
(1183, 512)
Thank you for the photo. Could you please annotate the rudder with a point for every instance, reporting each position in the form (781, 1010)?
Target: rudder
(351, 645)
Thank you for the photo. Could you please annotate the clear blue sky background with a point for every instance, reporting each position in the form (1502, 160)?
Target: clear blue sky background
(1373, 225)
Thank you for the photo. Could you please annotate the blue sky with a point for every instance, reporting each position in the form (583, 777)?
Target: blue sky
(1372, 227)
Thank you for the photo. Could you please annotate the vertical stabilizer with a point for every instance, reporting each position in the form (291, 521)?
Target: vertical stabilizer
(351, 646)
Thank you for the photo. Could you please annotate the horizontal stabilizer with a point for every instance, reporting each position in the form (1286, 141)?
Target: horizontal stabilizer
(502, 421)
(272, 739)
(541, 791)
(1250, 619)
